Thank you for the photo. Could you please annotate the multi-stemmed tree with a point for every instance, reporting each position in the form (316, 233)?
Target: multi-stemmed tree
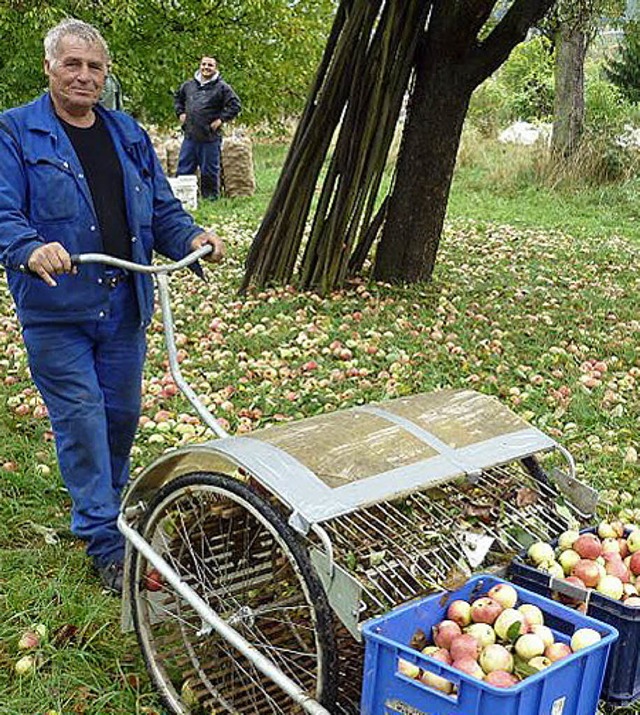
(330, 189)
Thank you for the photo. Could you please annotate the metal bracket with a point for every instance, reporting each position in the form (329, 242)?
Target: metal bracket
(583, 497)
(343, 591)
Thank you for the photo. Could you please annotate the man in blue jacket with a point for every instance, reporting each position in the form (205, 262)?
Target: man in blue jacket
(203, 104)
(77, 178)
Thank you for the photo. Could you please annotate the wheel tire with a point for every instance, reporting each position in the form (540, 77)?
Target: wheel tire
(239, 555)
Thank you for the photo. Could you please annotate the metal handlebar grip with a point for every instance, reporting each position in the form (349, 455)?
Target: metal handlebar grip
(78, 259)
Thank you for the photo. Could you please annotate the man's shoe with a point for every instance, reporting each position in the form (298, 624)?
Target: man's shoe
(111, 576)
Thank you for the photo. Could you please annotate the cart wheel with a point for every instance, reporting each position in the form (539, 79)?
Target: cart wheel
(238, 554)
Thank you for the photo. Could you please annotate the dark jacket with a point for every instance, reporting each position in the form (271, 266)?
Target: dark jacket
(44, 197)
(203, 103)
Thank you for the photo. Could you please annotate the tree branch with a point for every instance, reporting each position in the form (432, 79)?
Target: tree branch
(488, 55)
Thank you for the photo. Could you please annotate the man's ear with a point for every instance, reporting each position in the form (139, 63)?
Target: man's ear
(47, 67)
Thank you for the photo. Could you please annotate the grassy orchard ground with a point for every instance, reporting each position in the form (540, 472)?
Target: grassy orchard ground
(547, 322)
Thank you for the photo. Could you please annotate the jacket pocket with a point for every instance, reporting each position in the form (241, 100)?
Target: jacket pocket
(143, 188)
(53, 192)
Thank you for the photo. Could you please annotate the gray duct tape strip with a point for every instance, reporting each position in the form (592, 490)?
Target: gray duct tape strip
(453, 455)
(312, 501)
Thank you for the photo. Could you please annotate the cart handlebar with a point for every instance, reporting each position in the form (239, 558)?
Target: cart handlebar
(162, 283)
(81, 258)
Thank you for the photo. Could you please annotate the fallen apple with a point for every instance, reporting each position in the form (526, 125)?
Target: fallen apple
(529, 646)
(583, 638)
(539, 662)
(501, 679)
(444, 632)
(482, 632)
(459, 612)
(153, 580)
(25, 665)
(532, 614)
(485, 610)
(557, 651)
(505, 594)
(496, 657)
(540, 551)
(464, 646)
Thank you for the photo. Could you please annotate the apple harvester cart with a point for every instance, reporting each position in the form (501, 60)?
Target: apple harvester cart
(274, 547)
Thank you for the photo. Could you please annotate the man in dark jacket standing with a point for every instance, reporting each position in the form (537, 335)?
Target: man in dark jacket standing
(203, 104)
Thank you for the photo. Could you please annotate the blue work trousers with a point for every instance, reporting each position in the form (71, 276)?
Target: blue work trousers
(89, 375)
(206, 156)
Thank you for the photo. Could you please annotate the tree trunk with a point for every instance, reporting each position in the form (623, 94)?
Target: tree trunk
(568, 110)
(411, 235)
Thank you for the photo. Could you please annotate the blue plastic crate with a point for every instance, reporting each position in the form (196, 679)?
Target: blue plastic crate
(622, 679)
(569, 687)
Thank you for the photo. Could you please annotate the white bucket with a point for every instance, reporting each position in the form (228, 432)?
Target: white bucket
(185, 188)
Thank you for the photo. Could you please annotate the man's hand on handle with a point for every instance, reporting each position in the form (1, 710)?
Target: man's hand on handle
(50, 260)
(217, 254)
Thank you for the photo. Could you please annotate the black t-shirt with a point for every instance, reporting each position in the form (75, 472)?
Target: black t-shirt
(103, 172)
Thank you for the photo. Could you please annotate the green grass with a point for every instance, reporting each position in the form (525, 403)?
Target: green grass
(516, 309)
(498, 183)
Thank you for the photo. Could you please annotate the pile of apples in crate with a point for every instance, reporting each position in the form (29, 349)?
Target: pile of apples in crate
(607, 561)
(493, 639)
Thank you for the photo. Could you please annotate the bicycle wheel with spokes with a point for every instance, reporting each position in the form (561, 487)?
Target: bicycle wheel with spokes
(239, 555)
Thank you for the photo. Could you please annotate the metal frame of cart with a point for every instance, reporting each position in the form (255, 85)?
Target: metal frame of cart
(273, 548)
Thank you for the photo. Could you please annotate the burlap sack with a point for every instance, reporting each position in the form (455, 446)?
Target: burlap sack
(172, 148)
(238, 178)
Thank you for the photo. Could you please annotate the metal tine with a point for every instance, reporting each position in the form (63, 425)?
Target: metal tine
(389, 544)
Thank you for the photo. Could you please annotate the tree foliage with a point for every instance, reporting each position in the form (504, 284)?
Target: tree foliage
(267, 49)
(624, 70)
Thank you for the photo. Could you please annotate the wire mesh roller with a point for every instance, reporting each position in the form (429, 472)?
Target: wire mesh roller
(294, 535)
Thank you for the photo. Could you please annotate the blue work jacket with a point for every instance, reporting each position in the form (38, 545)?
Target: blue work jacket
(44, 197)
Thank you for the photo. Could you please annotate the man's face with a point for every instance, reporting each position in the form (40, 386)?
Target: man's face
(208, 67)
(76, 78)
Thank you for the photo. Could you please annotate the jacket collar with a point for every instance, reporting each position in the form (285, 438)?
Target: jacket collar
(42, 118)
(198, 77)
